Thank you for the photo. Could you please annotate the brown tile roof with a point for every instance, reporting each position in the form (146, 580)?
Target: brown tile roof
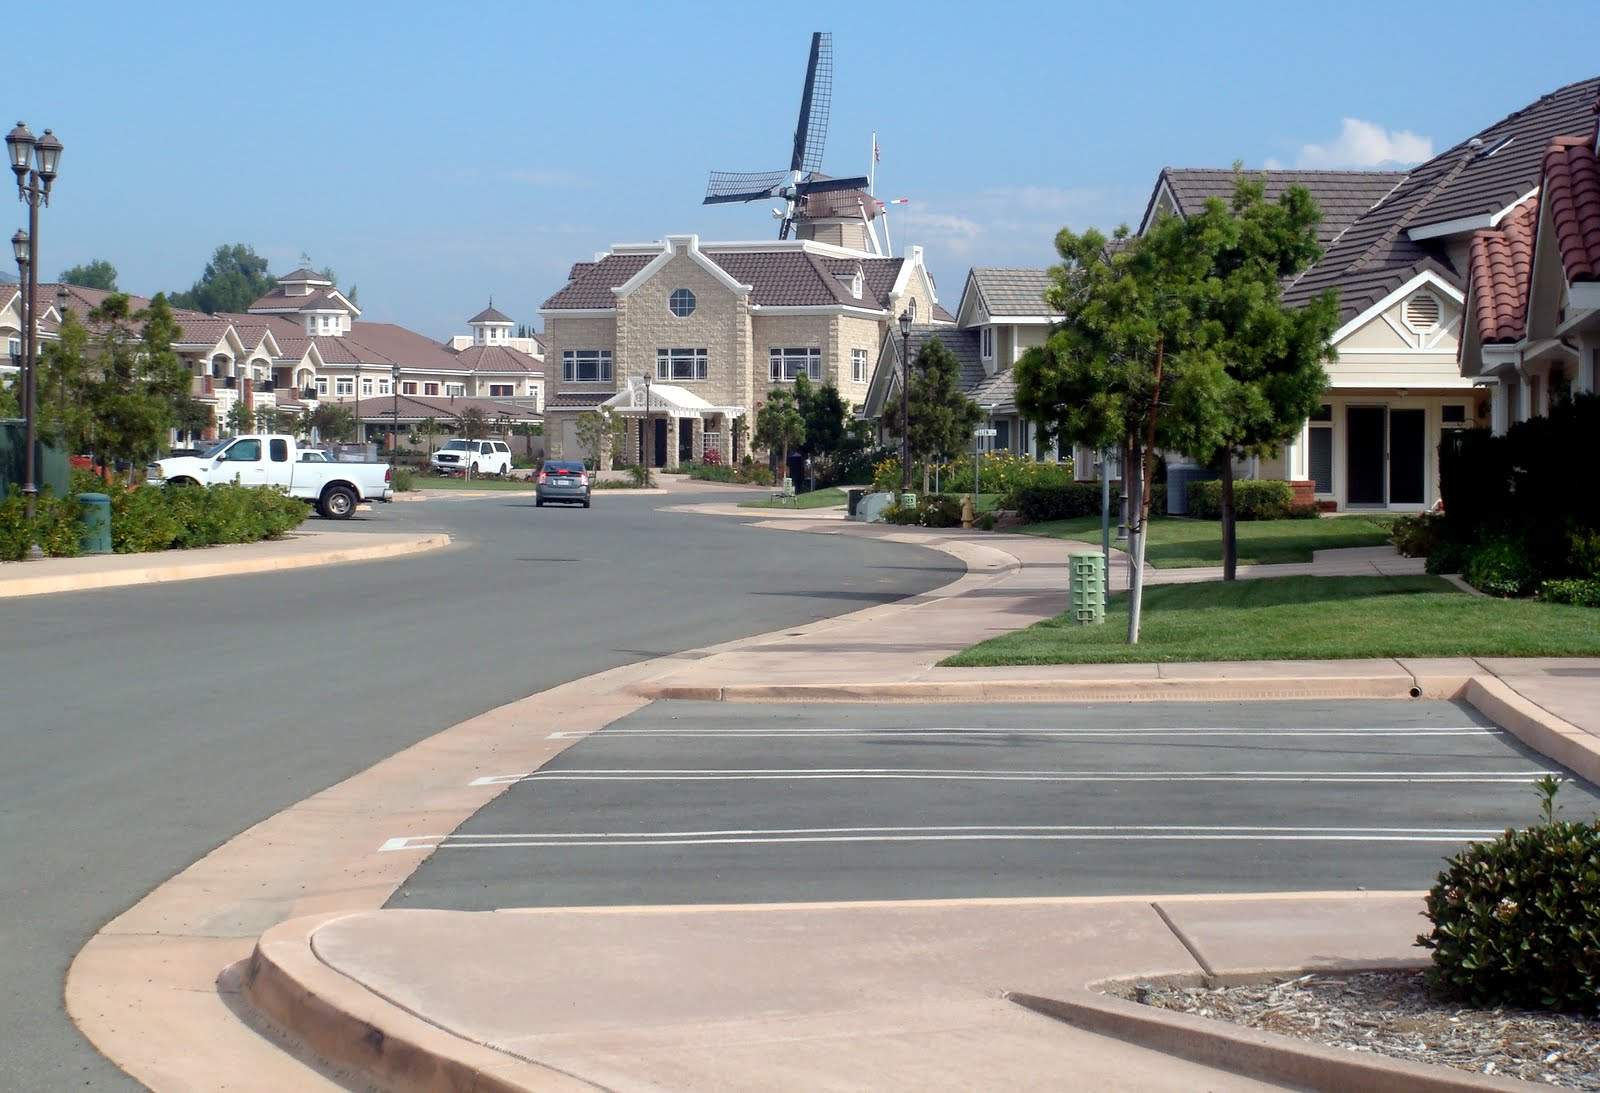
(1572, 194)
(279, 300)
(495, 358)
(1341, 195)
(413, 408)
(591, 282)
(1500, 263)
(578, 400)
(386, 343)
(490, 314)
(1483, 174)
(1011, 291)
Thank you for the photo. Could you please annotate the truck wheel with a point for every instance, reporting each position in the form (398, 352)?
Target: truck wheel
(475, 469)
(182, 482)
(338, 503)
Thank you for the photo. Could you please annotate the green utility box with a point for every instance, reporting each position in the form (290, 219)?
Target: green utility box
(1086, 572)
(94, 536)
(50, 464)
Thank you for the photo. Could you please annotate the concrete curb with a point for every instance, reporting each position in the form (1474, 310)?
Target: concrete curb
(1534, 725)
(1252, 1052)
(351, 1027)
(162, 574)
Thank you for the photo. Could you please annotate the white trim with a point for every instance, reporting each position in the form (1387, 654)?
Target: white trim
(1426, 277)
(1583, 296)
(1024, 320)
(1494, 221)
(689, 246)
(817, 309)
(1459, 226)
(1172, 199)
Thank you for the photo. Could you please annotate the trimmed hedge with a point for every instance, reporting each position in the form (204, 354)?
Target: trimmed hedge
(1252, 500)
(1501, 567)
(930, 511)
(54, 527)
(1516, 920)
(1036, 504)
(1578, 591)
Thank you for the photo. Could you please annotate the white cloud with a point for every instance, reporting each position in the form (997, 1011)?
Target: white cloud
(1366, 144)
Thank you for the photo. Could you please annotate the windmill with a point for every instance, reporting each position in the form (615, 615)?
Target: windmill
(805, 162)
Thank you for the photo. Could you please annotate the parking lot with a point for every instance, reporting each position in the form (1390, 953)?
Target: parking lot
(725, 803)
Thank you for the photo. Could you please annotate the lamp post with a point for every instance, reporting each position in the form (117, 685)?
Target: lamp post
(357, 390)
(905, 402)
(34, 181)
(644, 423)
(394, 432)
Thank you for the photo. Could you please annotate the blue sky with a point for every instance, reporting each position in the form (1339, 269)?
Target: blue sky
(433, 154)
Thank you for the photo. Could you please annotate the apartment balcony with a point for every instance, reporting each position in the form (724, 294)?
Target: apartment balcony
(203, 387)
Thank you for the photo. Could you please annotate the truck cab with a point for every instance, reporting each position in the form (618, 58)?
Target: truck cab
(276, 460)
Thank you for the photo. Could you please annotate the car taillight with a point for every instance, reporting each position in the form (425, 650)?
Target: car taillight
(583, 480)
(543, 478)
(388, 474)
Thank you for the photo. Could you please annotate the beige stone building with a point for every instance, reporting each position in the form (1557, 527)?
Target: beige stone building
(714, 327)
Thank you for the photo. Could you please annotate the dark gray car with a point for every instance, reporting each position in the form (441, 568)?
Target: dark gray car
(563, 480)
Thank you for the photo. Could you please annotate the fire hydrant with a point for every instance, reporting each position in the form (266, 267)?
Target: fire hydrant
(966, 510)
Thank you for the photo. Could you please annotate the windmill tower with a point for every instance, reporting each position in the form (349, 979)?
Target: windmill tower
(804, 178)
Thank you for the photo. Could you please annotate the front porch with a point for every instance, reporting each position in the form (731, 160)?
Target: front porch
(668, 426)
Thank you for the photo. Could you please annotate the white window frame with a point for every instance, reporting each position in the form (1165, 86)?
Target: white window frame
(672, 302)
(986, 343)
(322, 385)
(344, 385)
(455, 390)
(408, 387)
(785, 362)
(383, 386)
(430, 389)
(682, 365)
(574, 360)
(858, 365)
(366, 386)
(1333, 448)
(502, 390)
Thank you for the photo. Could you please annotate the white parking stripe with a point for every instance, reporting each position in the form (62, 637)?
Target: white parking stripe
(1446, 777)
(739, 836)
(744, 734)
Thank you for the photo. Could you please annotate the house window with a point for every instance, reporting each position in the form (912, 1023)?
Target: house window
(681, 364)
(322, 385)
(455, 390)
(14, 347)
(681, 302)
(987, 339)
(501, 390)
(383, 386)
(1453, 417)
(344, 385)
(785, 364)
(858, 365)
(1319, 451)
(408, 387)
(1002, 435)
(586, 365)
(366, 386)
(430, 388)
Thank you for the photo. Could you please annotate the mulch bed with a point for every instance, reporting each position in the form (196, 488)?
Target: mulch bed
(1392, 1014)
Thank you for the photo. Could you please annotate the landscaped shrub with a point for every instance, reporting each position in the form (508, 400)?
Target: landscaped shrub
(1578, 591)
(1501, 567)
(713, 472)
(1252, 500)
(1449, 555)
(934, 511)
(1036, 504)
(54, 528)
(1583, 551)
(1516, 920)
(1417, 536)
(405, 479)
(1003, 473)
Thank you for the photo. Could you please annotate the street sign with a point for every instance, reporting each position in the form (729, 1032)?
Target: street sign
(985, 432)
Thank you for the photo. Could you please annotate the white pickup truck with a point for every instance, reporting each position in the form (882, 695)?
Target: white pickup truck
(274, 459)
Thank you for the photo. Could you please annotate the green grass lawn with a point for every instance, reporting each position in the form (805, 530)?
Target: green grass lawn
(1303, 618)
(1177, 543)
(826, 498)
(438, 482)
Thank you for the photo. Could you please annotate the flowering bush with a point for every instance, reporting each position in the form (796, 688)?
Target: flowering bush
(1003, 473)
(712, 458)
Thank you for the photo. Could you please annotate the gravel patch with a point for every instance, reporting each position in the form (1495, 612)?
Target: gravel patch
(1391, 1013)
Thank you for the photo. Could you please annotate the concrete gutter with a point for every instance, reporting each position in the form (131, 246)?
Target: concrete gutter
(121, 570)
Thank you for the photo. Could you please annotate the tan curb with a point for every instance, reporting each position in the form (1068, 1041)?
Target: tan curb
(1535, 726)
(1251, 1052)
(1053, 690)
(351, 1027)
(163, 574)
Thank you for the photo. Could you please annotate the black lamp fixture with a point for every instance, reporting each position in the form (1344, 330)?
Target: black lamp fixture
(905, 396)
(21, 248)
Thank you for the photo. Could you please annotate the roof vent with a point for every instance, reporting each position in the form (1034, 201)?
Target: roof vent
(1485, 153)
(1422, 312)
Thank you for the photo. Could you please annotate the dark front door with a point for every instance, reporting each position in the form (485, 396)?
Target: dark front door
(661, 442)
(686, 440)
(1364, 454)
(1407, 456)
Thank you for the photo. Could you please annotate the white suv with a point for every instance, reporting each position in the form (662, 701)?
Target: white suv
(481, 456)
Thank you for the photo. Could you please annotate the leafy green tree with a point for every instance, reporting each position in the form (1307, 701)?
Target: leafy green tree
(138, 382)
(942, 417)
(268, 419)
(600, 431)
(194, 416)
(66, 415)
(428, 427)
(98, 273)
(825, 416)
(334, 421)
(472, 423)
(780, 426)
(10, 403)
(1127, 366)
(1271, 356)
(235, 278)
(240, 418)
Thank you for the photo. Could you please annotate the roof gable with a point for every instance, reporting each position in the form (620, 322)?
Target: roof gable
(1342, 196)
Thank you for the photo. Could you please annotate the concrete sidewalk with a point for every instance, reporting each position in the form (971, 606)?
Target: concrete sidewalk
(843, 996)
(305, 547)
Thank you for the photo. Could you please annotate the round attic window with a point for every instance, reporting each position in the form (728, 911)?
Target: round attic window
(681, 302)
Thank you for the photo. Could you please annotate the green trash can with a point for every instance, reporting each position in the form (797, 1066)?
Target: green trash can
(95, 537)
(1086, 584)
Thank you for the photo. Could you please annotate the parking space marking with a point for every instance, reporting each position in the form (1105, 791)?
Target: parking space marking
(1070, 734)
(939, 774)
(995, 833)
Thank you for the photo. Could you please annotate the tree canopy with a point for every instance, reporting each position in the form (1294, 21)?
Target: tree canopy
(780, 425)
(97, 273)
(942, 416)
(235, 278)
(824, 414)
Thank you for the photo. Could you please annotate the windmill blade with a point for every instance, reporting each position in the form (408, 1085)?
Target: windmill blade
(816, 101)
(830, 185)
(725, 186)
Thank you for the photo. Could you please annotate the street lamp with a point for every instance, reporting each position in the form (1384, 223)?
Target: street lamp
(644, 422)
(33, 189)
(394, 432)
(905, 401)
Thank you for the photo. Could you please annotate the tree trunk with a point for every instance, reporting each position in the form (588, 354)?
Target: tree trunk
(1141, 513)
(1230, 541)
(1133, 484)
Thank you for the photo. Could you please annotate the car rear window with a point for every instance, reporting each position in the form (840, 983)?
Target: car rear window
(566, 465)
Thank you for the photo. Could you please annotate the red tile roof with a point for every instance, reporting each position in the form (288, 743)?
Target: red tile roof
(1572, 194)
(495, 358)
(1499, 266)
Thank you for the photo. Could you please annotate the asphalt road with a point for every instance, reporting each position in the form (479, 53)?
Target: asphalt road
(726, 803)
(142, 727)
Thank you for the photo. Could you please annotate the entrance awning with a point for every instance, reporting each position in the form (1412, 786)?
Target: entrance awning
(666, 399)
